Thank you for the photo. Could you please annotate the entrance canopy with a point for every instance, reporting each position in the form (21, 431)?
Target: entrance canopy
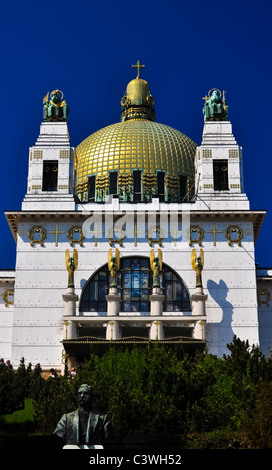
(82, 348)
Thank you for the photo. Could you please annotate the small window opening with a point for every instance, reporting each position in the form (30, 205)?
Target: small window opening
(113, 182)
(50, 175)
(220, 175)
(161, 185)
(183, 187)
(137, 185)
(91, 188)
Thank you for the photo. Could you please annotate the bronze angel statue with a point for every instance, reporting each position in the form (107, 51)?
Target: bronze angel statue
(71, 266)
(113, 266)
(198, 265)
(156, 266)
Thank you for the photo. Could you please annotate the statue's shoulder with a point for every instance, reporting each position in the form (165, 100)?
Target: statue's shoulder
(70, 416)
(72, 413)
(100, 415)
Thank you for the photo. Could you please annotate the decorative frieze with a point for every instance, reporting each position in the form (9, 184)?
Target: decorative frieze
(194, 234)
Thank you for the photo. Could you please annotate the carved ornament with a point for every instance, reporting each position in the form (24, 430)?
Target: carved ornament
(234, 229)
(159, 231)
(6, 295)
(195, 229)
(75, 229)
(37, 229)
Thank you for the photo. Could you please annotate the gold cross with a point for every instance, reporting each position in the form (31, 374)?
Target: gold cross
(96, 233)
(138, 66)
(174, 233)
(56, 232)
(214, 232)
(205, 98)
(135, 232)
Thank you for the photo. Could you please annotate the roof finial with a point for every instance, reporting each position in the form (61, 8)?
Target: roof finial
(138, 66)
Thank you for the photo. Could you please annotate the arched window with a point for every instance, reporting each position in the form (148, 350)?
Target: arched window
(135, 286)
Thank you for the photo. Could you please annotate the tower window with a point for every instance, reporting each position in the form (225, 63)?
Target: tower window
(91, 188)
(137, 185)
(220, 175)
(50, 175)
(183, 187)
(113, 182)
(161, 185)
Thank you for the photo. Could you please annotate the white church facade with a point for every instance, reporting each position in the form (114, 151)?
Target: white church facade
(136, 235)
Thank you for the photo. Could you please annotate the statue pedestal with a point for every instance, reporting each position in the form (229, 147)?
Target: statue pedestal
(199, 309)
(70, 299)
(198, 302)
(113, 302)
(156, 301)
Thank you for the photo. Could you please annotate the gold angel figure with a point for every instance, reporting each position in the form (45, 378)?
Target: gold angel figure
(71, 266)
(198, 265)
(113, 266)
(156, 266)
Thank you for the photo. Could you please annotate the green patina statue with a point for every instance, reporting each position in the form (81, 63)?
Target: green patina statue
(55, 107)
(84, 427)
(215, 108)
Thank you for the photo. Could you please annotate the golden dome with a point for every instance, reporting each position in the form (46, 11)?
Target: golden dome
(136, 158)
(135, 144)
(137, 89)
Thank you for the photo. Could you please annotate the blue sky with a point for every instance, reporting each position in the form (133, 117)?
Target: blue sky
(86, 49)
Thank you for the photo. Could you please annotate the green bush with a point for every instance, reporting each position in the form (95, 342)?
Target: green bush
(258, 427)
(52, 398)
(162, 393)
(11, 396)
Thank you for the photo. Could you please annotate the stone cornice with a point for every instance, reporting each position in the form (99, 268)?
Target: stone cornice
(254, 216)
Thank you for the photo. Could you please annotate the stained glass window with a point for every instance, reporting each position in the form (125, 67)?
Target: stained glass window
(135, 286)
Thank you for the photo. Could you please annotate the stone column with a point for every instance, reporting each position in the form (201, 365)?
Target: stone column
(199, 309)
(113, 302)
(156, 302)
(156, 308)
(69, 326)
(70, 299)
(156, 330)
(113, 331)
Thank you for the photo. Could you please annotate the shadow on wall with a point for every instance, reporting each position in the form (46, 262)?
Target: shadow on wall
(82, 283)
(219, 293)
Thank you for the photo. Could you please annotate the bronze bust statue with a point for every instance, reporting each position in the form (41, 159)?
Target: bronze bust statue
(83, 428)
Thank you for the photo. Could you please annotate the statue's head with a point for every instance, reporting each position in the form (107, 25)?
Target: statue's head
(215, 96)
(56, 97)
(85, 396)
